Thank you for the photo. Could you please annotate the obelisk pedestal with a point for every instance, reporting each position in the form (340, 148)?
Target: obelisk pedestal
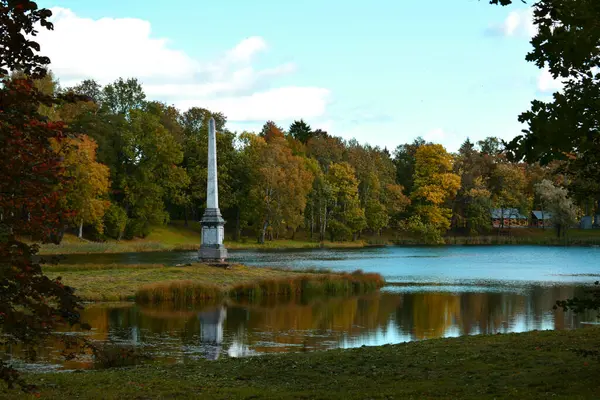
(212, 248)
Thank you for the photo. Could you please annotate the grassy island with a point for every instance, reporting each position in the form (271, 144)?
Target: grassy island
(538, 364)
(152, 283)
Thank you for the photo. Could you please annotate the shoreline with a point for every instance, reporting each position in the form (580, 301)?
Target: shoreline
(45, 251)
(535, 364)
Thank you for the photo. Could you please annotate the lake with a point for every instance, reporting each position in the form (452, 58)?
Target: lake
(433, 292)
(498, 265)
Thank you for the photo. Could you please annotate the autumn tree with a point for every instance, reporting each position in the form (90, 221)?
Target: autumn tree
(88, 184)
(280, 184)
(32, 306)
(434, 185)
(507, 186)
(271, 130)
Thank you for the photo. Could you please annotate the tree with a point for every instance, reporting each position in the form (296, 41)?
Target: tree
(147, 172)
(270, 130)
(32, 306)
(557, 202)
(88, 186)
(567, 128)
(395, 201)
(404, 160)
(478, 204)
(507, 187)
(346, 209)
(301, 131)
(123, 96)
(280, 185)
(434, 185)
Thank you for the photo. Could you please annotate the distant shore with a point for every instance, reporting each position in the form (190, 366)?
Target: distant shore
(176, 237)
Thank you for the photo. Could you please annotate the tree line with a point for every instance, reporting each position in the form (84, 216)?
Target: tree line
(138, 163)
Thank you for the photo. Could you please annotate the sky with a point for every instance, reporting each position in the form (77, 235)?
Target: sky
(382, 72)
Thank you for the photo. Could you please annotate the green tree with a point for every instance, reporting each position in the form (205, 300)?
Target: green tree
(123, 96)
(148, 172)
(557, 201)
(301, 131)
(404, 160)
(345, 208)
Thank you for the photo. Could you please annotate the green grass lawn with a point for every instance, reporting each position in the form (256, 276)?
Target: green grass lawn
(533, 365)
(121, 282)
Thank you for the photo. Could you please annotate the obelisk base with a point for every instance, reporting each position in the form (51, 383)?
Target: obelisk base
(212, 249)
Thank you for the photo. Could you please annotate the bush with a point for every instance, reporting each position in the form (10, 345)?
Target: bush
(137, 228)
(426, 233)
(339, 231)
(115, 221)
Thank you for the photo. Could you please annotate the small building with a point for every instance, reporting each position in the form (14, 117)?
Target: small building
(511, 216)
(540, 219)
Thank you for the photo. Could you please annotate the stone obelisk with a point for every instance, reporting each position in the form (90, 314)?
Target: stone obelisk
(212, 249)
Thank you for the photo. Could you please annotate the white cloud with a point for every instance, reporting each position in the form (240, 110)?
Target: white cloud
(108, 48)
(517, 23)
(547, 84)
(276, 104)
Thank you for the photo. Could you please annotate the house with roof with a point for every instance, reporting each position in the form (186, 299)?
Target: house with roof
(508, 217)
(540, 219)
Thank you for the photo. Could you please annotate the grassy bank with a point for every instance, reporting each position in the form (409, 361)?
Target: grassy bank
(520, 366)
(176, 236)
(157, 283)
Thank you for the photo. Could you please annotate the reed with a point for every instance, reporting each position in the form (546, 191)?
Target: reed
(178, 292)
(187, 292)
(341, 284)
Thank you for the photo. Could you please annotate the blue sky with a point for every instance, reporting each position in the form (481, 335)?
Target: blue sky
(382, 72)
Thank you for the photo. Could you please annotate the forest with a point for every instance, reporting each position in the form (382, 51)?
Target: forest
(137, 163)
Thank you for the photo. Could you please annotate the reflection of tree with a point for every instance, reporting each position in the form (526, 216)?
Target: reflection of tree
(176, 335)
(434, 313)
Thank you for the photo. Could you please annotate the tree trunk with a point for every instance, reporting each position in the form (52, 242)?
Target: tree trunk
(80, 235)
(312, 221)
(185, 215)
(238, 232)
(263, 233)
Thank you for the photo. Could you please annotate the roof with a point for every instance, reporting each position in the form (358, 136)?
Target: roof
(508, 213)
(542, 214)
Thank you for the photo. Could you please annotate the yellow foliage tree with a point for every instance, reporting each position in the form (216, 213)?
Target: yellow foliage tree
(434, 185)
(89, 182)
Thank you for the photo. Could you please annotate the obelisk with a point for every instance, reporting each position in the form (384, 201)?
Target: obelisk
(212, 249)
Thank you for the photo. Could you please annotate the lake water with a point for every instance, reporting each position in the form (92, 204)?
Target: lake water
(434, 292)
(497, 265)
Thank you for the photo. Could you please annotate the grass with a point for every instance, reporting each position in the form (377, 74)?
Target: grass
(156, 283)
(532, 365)
(293, 286)
(176, 236)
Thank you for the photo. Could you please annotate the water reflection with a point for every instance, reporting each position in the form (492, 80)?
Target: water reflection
(175, 336)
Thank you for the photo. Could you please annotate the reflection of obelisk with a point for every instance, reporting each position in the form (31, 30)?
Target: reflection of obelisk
(211, 333)
(212, 248)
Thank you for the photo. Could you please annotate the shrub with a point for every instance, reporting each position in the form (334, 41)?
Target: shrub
(115, 220)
